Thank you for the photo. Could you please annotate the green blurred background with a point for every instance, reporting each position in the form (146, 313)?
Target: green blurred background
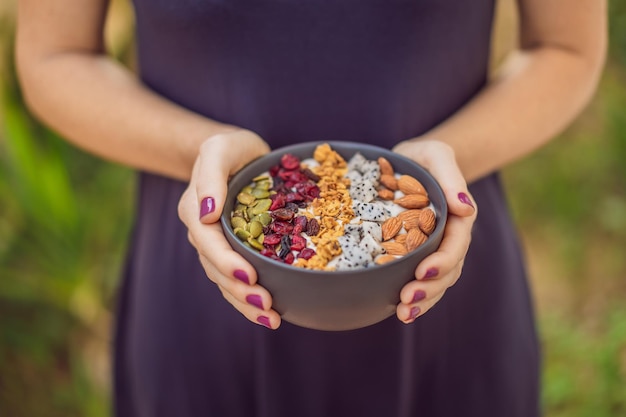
(65, 217)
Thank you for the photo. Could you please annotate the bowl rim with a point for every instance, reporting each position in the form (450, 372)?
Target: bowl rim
(225, 217)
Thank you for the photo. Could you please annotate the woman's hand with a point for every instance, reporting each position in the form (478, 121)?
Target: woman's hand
(200, 208)
(440, 270)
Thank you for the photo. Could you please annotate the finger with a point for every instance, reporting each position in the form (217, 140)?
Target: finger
(254, 302)
(452, 250)
(439, 159)
(409, 313)
(416, 291)
(216, 163)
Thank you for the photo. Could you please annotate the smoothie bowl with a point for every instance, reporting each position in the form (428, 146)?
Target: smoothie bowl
(334, 229)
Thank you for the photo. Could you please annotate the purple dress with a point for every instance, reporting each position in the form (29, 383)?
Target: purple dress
(376, 71)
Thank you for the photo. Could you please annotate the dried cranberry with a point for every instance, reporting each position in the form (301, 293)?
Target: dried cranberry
(268, 252)
(306, 253)
(289, 161)
(278, 201)
(312, 227)
(282, 228)
(284, 175)
(297, 229)
(301, 220)
(274, 170)
(297, 243)
(291, 197)
(313, 191)
(297, 176)
(282, 214)
(272, 239)
(289, 258)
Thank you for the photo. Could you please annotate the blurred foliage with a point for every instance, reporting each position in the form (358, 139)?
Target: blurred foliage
(65, 215)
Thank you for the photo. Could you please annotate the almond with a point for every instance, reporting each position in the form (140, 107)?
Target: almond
(391, 227)
(414, 238)
(413, 201)
(400, 238)
(394, 248)
(427, 221)
(385, 194)
(383, 259)
(411, 223)
(409, 214)
(389, 181)
(409, 185)
(385, 166)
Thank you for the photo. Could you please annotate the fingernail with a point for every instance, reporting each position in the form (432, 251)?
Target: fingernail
(207, 206)
(415, 311)
(265, 321)
(241, 276)
(255, 300)
(463, 198)
(418, 295)
(431, 273)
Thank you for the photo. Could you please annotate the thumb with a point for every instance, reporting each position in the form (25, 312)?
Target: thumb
(439, 159)
(216, 162)
(211, 187)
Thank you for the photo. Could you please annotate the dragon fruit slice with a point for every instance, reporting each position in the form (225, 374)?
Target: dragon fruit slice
(353, 230)
(373, 229)
(363, 191)
(355, 163)
(354, 176)
(357, 256)
(371, 172)
(371, 246)
(371, 211)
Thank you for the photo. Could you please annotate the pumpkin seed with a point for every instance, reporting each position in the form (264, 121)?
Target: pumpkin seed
(247, 189)
(261, 238)
(264, 185)
(260, 193)
(238, 222)
(245, 198)
(264, 218)
(254, 243)
(261, 178)
(255, 228)
(242, 234)
(262, 206)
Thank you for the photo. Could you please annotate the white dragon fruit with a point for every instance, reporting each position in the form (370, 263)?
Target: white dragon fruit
(363, 191)
(371, 246)
(353, 230)
(356, 256)
(375, 211)
(370, 171)
(373, 229)
(347, 242)
(354, 164)
(354, 176)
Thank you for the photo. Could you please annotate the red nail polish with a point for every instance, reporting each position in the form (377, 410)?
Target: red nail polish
(255, 300)
(418, 295)
(464, 198)
(242, 276)
(207, 206)
(265, 321)
(431, 273)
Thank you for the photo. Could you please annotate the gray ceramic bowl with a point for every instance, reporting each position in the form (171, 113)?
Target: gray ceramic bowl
(341, 300)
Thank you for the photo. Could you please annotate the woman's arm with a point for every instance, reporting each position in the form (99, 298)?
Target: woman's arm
(71, 84)
(537, 92)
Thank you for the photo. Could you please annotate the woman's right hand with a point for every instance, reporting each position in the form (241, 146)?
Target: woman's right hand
(200, 208)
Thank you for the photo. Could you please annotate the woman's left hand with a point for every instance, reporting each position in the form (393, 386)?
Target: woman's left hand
(440, 270)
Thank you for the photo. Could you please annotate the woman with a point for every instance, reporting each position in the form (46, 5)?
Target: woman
(222, 82)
